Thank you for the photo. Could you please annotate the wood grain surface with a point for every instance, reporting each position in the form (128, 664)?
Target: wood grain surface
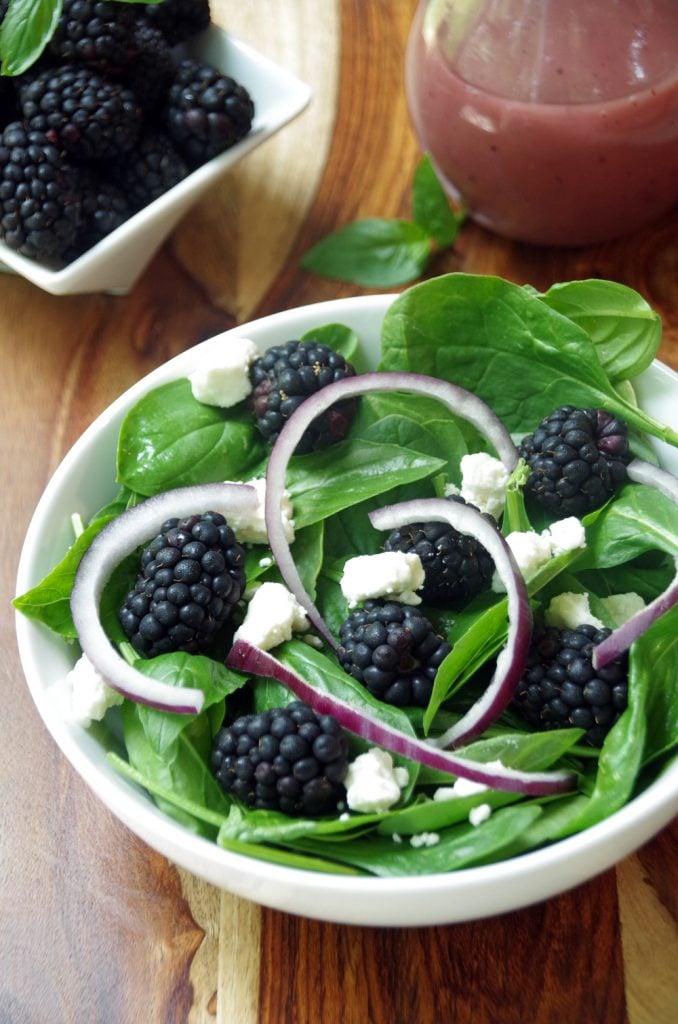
(95, 926)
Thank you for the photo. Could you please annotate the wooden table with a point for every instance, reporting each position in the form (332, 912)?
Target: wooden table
(95, 926)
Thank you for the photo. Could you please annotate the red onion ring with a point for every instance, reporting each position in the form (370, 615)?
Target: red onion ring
(512, 659)
(619, 641)
(118, 539)
(458, 400)
(247, 658)
(642, 472)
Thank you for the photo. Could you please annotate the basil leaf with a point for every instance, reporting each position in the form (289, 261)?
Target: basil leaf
(621, 324)
(374, 253)
(482, 332)
(431, 207)
(169, 439)
(26, 29)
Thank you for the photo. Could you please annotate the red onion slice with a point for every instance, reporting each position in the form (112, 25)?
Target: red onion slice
(458, 400)
(118, 539)
(247, 658)
(642, 472)
(620, 639)
(512, 659)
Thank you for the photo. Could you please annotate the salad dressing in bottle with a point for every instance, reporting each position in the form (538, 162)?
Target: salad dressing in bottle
(553, 121)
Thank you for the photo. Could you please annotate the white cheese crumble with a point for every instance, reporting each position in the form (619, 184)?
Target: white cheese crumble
(484, 480)
(620, 607)
(425, 839)
(250, 527)
(394, 574)
(568, 610)
(477, 815)
(373, 782)
(273, 615)
(531, 550)
(461, 787)
(84, 696)
(221, 376)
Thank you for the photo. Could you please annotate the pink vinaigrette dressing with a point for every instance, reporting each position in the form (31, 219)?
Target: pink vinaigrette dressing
(553, 121)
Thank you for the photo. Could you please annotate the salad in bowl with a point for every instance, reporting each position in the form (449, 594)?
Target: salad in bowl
(367, 610)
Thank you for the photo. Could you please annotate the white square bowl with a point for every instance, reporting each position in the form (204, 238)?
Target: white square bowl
(115, 262)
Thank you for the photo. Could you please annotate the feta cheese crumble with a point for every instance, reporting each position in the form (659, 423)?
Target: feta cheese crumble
(484, 480)
(424, 839)
(250, 527)
(461, 787)
(221, 376)
(620, 607)
(393, 574)
(373, 782)
(477, 815)
(531, 550)
(273, 615)
(84, 696)
(568, 610)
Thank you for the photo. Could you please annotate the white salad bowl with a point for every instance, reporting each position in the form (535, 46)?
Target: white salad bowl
(85, 481)
(116, 262)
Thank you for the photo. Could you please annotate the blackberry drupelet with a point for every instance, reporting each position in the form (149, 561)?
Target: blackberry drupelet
(178, 20)
(560, 688)
(288, 374)
(90, 116)
(40, 195)
(192, 575)
(94, 32)
(206, 112)
(150, 170)
(393, 650)
(287, 759)
(457, 567)
(577, 459)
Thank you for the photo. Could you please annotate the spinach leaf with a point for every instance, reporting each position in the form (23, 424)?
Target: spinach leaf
(481, 332)
(624, 328)
(187, 670)
(640, 519)
(49, 600)
(340, 338)
(458, 847)
(659, 655)
(168, 439)
(324, 482)
(181, 769)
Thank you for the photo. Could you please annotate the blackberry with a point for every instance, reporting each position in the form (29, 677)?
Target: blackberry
(561, 689)
(178, 20)
(287, 759)
(577, 459)
(456, 567)
(191, 577)
(393, 650)
(94, 32)
(149, 73)
(285, 376)
(150, 170)
(81, 111)
(104, 208)
(40, 195)
(206, 112)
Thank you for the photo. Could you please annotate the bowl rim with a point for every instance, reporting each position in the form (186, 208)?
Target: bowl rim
(403, 901)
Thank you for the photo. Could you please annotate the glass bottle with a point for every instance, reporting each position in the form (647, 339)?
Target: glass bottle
(553, 121)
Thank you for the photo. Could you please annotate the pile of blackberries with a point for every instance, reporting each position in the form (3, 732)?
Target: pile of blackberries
(108, 119)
